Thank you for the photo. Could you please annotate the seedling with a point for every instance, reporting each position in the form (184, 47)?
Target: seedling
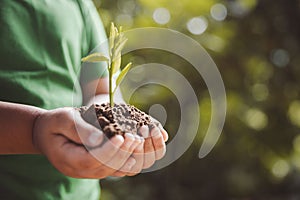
(115, 119)
(117, 41)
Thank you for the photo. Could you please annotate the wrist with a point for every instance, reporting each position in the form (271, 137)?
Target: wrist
(36, 130)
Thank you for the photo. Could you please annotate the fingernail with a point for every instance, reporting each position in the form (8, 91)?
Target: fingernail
(94, 138)
(155, 132)
(138, 139)
(129, 135)
(117, 140)
(144, 131)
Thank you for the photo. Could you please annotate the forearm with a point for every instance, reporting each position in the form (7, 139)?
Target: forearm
(16, 124)
(104, 98)
(96, 91)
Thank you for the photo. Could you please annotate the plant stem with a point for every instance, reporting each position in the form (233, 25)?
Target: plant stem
(111, 98)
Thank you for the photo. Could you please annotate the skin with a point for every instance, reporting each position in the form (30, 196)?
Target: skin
(64, 137)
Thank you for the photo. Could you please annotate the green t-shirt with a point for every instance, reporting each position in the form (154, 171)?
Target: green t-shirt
(41, 44)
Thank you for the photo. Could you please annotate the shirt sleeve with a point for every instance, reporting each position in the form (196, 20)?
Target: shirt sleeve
(96, 41)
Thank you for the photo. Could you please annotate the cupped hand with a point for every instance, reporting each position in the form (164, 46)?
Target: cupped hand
(75, 147)
(153, 149)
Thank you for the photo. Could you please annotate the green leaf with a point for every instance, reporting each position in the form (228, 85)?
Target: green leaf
(95, 57)
(122, 75)
(120, 29)
(118, 40)
(116, 32)
(112, 36)
(120, 46)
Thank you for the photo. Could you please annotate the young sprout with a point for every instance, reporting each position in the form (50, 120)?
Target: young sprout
(117, 42)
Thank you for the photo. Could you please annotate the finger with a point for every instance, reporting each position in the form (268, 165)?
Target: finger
(144, 131)
(119, 159)
(164, 133)
(89, 134)
(64, 124)
(158, 143)
(138, 155)
(69, 123)
(125, 168)
(108, 150)
(111, 168)
(149, 153)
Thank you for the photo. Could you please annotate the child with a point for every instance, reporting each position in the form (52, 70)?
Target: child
(42, 156)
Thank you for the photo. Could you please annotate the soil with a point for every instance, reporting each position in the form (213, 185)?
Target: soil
(120, 119)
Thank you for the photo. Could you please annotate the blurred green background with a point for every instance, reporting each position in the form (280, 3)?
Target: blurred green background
(255, 45)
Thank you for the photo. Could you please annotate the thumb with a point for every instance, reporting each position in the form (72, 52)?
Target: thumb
(86, 133)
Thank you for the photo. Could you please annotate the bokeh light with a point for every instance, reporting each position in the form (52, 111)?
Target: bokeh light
(197, 25)
(240, 8)
(161, 16)
(218, 12)
(294, 113)
(280, 57)
(280, 168)
(260, 92)
(126, 6)
(256, 119)
(124, 19)
(296, 144)
(213, 42)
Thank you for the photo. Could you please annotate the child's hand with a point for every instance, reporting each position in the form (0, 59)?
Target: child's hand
(56, 135)
(154, 148)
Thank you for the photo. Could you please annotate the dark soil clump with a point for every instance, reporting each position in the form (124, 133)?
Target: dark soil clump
(120, 119)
